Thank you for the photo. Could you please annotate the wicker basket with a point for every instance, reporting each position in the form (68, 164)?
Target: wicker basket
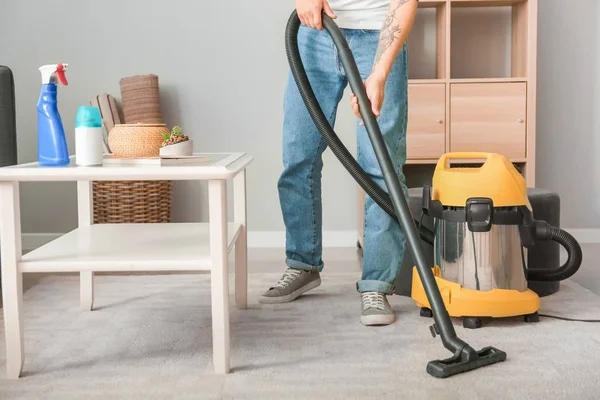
(127, 202)
(136, 140)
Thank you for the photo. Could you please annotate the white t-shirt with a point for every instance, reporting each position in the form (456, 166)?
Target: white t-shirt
(360, 14)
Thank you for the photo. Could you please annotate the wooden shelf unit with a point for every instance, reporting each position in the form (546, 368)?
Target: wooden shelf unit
(472, 84)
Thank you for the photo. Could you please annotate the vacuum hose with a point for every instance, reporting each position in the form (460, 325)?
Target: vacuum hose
(545, 231)
(380, 197)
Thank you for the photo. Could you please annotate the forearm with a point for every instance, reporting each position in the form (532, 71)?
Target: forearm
(394, 32)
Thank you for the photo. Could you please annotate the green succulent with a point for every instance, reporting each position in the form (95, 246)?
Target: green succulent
(176, 131)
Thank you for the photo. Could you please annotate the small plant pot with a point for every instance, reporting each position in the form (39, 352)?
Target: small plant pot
(181, 149)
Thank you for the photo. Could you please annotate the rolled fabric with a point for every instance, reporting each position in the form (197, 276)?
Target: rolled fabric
(140, 99)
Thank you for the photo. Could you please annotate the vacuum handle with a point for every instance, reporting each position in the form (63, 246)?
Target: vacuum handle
(443, 161)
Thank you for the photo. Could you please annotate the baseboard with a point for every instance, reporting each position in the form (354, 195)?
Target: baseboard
(276, 239)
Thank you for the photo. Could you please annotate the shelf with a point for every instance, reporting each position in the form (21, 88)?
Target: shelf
(488, 80)
(476, 161)
(489, 39)
(128, 247)
(219, 166)
(421, 161)
(434, 161)
(472, 86)
(468, 80)
(431, 3)
(426, 81)
(485, 3)
(427, 43)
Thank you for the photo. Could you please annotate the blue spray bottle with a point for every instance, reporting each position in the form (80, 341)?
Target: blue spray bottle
(52, 143)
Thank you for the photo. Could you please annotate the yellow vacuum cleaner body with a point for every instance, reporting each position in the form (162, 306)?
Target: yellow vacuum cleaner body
(483, 224)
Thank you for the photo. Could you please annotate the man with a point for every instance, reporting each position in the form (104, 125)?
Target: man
(376, 31)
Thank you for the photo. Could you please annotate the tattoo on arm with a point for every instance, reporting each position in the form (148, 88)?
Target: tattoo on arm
(389, 29)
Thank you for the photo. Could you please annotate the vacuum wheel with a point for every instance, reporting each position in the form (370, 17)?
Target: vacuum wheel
(535, 317)
(472, 322)
(426, 312)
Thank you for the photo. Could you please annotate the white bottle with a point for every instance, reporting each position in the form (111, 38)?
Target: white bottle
(89, 140)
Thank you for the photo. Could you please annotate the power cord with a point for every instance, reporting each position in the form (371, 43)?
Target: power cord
(569, 319)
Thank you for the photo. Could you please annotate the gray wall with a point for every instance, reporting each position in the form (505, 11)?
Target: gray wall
(568, 99)
(222, 70)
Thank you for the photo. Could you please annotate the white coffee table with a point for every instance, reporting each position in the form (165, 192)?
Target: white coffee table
(129, 247)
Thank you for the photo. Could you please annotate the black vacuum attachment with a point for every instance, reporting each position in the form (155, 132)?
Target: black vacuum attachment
(464, 358)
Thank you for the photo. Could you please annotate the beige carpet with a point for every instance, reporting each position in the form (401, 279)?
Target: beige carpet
(150, 338)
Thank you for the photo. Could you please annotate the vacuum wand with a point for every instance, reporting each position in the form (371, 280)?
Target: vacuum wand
(464, 357)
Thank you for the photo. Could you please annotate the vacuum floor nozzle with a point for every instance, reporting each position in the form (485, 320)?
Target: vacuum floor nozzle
(457, 364)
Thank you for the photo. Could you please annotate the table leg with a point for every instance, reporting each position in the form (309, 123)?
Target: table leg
(217, 197)
(241, 244)
(12, 278)
(85, 211)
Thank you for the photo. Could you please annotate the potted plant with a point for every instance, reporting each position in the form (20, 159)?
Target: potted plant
(176, 144)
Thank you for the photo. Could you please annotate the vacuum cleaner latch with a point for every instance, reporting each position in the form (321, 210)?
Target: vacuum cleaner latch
(479, 212)
(429, 206)
(426, 199)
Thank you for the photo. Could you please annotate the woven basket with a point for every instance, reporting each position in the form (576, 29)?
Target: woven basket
(136, 140)
(129, 202)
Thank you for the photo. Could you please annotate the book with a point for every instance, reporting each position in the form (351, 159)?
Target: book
(110, 160)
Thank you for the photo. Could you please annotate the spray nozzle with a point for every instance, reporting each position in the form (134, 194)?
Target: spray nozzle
(51, 72)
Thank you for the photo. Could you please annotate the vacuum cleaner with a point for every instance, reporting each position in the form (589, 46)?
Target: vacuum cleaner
(483, 227)
(464, 357)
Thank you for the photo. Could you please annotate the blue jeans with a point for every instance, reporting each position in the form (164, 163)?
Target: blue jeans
(300, 183)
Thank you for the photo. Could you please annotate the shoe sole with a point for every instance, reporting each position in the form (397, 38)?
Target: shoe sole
(375, 320)
(292, 296)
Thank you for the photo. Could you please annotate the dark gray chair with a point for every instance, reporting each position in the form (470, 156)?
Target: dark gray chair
(8, 125)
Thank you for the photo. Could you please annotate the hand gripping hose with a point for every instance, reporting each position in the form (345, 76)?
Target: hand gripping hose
(464, 358)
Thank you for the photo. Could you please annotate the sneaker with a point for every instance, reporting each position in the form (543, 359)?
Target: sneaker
(376, 310)
(292, 285)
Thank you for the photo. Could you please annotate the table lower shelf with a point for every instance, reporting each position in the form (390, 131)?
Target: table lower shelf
(128, 247)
